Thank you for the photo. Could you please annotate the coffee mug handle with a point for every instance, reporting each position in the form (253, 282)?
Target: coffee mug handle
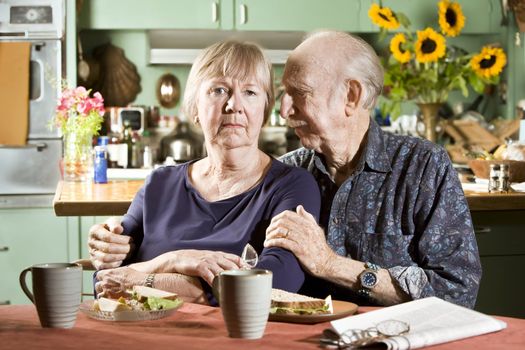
(216, 288)
(24, 286)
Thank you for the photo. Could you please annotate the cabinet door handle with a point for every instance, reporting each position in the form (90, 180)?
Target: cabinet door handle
(482, 230)
(243, 12)
(5, 302)
(214, 12)
(4, 249)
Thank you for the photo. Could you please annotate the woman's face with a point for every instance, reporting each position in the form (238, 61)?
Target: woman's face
(231, 112)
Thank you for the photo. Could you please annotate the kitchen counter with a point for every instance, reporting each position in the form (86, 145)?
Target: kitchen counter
(114, 198)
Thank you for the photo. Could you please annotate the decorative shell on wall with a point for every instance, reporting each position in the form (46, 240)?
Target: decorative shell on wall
(118, 81)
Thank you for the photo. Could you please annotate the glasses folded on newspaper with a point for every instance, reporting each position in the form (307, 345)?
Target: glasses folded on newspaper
(356, 338)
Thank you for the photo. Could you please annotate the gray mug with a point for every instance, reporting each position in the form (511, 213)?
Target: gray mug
(57, 289)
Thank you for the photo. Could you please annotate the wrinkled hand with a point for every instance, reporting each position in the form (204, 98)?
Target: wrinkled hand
(299, 233)
(107, 247)
(113, 283)
(204, 263)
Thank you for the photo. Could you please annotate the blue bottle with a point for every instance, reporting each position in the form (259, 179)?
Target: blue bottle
(101, 165)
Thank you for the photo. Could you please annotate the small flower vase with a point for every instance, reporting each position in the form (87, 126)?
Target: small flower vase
(430, 118)
(77, 156)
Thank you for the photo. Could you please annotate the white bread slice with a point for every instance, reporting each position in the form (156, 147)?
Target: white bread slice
(144, 292)
(110, 305)
(284, 299)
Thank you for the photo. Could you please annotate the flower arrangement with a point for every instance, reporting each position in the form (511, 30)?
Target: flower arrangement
(78, 113)
(423, 68)
(79, 117)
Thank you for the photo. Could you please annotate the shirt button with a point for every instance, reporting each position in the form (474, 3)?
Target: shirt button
(335, 221)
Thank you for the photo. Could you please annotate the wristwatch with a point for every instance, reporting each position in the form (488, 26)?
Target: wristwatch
(368, 279)
(149, 280)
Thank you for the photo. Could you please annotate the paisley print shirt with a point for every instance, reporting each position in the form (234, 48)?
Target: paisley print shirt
(404, 210)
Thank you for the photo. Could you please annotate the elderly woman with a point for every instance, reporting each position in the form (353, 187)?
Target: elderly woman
(190, 222)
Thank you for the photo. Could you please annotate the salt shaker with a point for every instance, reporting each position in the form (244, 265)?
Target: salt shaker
(494, 177)
(503, 184)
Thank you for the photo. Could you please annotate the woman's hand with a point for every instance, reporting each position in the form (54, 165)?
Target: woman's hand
(201, 263)
(107, 247)
(113, 283)
(299, 233)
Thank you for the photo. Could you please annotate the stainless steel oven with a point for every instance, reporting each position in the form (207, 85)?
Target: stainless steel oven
(32, 170)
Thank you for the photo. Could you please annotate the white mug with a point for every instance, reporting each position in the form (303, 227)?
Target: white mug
(245, 299)
(57, 289)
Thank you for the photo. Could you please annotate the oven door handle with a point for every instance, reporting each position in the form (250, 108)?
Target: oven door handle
(39, 146)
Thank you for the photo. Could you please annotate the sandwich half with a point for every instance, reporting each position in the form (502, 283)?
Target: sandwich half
(284, 302)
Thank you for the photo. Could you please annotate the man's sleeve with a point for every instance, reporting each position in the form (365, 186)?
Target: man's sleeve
(449, 266)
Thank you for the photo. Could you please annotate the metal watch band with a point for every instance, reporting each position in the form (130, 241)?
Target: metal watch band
(149, 280)
(365, 291)
(372, 266)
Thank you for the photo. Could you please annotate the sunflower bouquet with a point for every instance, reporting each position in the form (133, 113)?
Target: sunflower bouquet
(422, 68)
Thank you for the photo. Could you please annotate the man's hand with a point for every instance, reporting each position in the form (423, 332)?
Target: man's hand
(299, 233)
(107, 247)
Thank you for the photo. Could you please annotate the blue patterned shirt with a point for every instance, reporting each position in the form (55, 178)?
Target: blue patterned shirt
(403, 209)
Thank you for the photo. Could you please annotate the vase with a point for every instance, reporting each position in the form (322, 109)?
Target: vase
(77, 156)
(430, 117)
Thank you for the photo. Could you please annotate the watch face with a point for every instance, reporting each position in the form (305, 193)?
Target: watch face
(368, 279)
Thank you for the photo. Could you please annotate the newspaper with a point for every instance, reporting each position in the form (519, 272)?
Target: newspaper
(431, 320)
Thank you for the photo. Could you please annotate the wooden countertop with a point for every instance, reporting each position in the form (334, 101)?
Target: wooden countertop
(114, 198)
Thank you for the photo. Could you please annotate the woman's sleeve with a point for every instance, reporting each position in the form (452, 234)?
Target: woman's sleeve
(133, 222)
(299, 189)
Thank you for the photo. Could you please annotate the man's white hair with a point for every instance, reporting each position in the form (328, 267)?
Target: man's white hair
(359, 62)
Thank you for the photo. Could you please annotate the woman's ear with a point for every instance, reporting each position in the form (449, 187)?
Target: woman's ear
(353, 96)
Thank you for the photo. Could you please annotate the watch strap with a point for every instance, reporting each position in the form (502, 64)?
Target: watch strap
(149, 280)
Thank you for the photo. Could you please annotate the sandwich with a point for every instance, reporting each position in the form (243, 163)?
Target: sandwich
(140, 298)
(284, 302)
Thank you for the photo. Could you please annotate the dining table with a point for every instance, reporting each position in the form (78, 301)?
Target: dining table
(195, 326)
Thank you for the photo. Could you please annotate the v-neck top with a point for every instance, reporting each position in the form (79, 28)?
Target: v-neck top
(169, 214)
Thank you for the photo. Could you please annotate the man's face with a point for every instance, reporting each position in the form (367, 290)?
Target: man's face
(311, 103)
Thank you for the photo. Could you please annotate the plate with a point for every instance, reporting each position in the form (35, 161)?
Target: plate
(124, 316)
(341, 309)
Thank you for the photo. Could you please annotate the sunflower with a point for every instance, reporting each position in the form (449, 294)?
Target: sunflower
(489, 62)
(383, 17)
(430, 45)
(451, 18)
(398, 48)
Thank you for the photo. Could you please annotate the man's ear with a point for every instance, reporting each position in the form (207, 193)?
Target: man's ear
(353, 96)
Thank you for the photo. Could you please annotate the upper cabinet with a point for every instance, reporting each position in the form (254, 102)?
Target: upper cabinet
(155, 14)
(483, 16)
(297, 15)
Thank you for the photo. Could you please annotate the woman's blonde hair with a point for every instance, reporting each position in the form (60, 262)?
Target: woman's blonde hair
(240, 60)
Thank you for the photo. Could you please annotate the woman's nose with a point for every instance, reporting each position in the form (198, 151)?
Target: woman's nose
(286, 106)
(234, 103)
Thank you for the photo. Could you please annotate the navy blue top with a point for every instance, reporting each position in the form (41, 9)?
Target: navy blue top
(169, 214)
(404, 210)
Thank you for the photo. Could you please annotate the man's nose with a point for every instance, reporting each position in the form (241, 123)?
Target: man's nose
(234, 103)
(286, 106)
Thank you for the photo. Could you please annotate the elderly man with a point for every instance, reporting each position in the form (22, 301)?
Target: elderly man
(396, 223)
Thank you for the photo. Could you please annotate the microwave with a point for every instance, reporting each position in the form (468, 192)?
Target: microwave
(118, 116)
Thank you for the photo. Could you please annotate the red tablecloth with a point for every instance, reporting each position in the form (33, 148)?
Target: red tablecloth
(194, 327)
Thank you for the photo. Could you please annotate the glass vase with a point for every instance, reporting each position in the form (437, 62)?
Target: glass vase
(429, 112)
(77, 156)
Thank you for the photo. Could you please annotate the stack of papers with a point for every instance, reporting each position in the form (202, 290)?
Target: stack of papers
(431, 320)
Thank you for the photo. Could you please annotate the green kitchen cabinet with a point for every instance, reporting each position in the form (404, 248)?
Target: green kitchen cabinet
(32, 236)
(501, 242)
(156, 14)
(297, 15)
(482, 16)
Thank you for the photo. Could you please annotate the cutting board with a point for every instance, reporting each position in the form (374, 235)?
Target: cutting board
(14, 92)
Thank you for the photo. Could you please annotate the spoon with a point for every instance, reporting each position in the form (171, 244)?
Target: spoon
(249, 257)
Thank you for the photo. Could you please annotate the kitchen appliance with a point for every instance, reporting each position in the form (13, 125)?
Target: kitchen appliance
(182, 145)
(119, 115)
(32, 170)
